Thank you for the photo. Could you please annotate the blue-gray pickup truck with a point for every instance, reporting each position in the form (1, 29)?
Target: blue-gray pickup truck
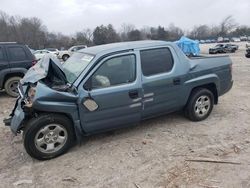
(112, 86)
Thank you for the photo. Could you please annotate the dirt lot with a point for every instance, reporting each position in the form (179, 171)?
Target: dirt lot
(152, 154)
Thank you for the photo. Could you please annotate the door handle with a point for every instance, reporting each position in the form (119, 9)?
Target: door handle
(176, 81)
(133, 94)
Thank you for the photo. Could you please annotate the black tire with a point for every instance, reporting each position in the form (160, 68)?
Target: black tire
(194, 100)
(10, 86)
(65, 57)
(35, 125)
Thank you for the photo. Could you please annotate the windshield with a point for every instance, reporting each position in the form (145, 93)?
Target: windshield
(75, 65)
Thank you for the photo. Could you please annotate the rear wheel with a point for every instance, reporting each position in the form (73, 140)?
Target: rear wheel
(200, 104)
(48, 136)
(10, 86)
(65, 57)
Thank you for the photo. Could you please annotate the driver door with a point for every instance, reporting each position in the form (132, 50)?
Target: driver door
(115, 86)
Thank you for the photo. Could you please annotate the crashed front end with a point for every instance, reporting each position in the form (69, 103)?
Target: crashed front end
(47, 72)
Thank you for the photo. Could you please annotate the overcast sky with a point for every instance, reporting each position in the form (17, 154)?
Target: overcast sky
(69, 16)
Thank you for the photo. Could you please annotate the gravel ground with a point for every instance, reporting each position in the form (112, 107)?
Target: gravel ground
(155, 153)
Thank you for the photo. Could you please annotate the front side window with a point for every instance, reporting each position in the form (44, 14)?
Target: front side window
(17, 54)
(156, 61)
(115, 71)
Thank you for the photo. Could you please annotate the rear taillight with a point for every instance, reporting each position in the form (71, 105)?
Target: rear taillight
(34, 62)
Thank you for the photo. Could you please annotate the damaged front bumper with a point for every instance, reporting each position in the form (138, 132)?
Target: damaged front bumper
(17, 117)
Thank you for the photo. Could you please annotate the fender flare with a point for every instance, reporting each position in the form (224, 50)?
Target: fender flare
(201, 81)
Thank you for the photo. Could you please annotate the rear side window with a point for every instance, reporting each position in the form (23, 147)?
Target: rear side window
(1, 54)
(17, 54)
(156, 61)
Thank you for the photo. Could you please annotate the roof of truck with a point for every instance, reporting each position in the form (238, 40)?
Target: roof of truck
(120, 46)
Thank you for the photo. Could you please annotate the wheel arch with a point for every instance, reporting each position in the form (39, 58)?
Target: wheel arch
(211, 87)
(210, 82)
(75, 123)
(8, 73)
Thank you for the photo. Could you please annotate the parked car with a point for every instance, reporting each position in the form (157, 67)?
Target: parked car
(202, 41)
(213, 41)
(220, 39)
(243, 38)
(248, 45)
(235, 39)
(233, 46)
(248, 53)
(15, 60)
(65, 54)
(226, 40)
(222, 48)
(39, 54)
(53, 50)
(113, 86)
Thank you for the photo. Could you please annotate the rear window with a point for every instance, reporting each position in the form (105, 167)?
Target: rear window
(1, 54)
(17, 54)
(156, 61)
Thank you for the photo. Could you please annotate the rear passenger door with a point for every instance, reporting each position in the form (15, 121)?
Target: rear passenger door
(161, 88)
(4, 64)
(18, 57)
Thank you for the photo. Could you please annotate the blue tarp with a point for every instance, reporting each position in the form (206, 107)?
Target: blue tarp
(188, 46)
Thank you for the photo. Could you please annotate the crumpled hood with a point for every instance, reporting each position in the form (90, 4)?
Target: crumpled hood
(48, 69)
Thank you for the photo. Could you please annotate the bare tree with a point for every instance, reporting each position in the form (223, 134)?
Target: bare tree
(125, 29)
(227, 25)
(200, 32)
(174, 32)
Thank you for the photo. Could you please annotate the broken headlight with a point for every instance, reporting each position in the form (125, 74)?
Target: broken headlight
(30, 96)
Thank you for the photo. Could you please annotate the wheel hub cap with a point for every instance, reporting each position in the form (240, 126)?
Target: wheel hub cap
(202, 106)
(51, 138)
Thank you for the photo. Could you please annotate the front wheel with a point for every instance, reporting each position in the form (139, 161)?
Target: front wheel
(200, 104)
(48, 136)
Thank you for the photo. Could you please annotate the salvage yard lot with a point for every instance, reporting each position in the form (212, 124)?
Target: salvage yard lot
(152, 154)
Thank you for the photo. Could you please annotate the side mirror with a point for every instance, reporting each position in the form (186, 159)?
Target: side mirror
(88, 85)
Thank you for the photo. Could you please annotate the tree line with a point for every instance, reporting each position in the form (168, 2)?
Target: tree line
(35, 34)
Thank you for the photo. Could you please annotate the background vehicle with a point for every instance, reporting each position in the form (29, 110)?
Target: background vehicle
(15, 60)
(202, 41)
(248, 53)
(65, 54)
(223, 48)
(220, 39)
(226, 40)
(118, 85)
(235, 39)
(40, 53)
(233, 46)
(248, 45)
(53, 50)
(243, 38)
